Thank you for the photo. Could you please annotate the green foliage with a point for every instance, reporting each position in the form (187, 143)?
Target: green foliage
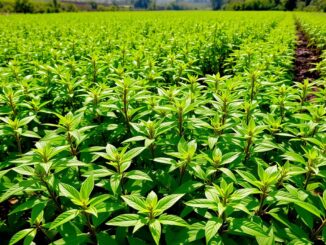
(160, 128)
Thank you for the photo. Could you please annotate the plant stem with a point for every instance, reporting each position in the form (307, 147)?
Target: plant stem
(152, 151)
(19, 146)
(125, 108)
(182, 173)
(247, 148)
(89, 226)
(261, 203)
(13, 106)
(252, 92)
(314, 131)
(282, 112)
(44, 232)
(52, 195)
(94, 71)
(315, 234)
(308, 176)
(224, 112)
(248, 116)
(180, 122)
(304, 96)
(72, 148)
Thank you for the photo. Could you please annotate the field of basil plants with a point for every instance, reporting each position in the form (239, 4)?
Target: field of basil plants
(163, 128)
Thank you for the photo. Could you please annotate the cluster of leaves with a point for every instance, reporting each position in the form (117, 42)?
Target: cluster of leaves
(186, 130)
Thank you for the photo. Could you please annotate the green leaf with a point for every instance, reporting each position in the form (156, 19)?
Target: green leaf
(104, 239)
(228, 173)
(306, 217)
(27, 205)
(279, 217)
(135, 202)
(269, 240)
(229, 157)
(310, 208)
(124, 220)
(16, 189)
(192, 146)
(287, 197)
(202, 203)
(64, 218)
(167, 202)
(248, 177)
(87, 188)
(20, 235)
(3, 172)
(91, 210)
(30, 237)
(115, 182)
(244, 226)
(124, 166)
(137, 175)
(243, 193)
(295, 157)
(25, 120)
(165, 160)
(261, 172)
(134, 139)
(98, 199)
(211, 228)
(73, 239)
(302, 116)
(30, 134)
(168, 219)
(24, 170)
(93, 149)
(324, 199)
(151, 199)
(37, 213)
(188, 187)
(140, 223)
(195, 232)
(109, 207)
(70, 192)
(148, 142)
(133, 153)
(100, 173)
(212, 142)
(265, 146)
(111, 151)
(155, 229)
(182, 146)
(315, 141)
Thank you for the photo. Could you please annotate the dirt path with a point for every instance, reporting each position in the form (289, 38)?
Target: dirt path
(305, 58)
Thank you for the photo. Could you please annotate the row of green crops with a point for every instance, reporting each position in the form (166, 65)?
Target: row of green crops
(159, 128)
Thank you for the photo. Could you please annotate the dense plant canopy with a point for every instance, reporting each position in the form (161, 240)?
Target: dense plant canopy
(161, 128)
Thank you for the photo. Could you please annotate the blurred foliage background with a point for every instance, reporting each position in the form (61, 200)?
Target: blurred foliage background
(54, 6)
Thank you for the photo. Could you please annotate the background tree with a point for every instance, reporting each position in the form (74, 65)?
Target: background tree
(216, 4)
(55, 6)
(290, 5)
(143, 4)
(23, 6)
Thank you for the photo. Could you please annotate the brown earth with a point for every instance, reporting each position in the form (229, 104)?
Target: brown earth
(306, 56)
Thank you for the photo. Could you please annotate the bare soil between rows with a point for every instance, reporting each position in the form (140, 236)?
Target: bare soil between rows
(306, 57)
